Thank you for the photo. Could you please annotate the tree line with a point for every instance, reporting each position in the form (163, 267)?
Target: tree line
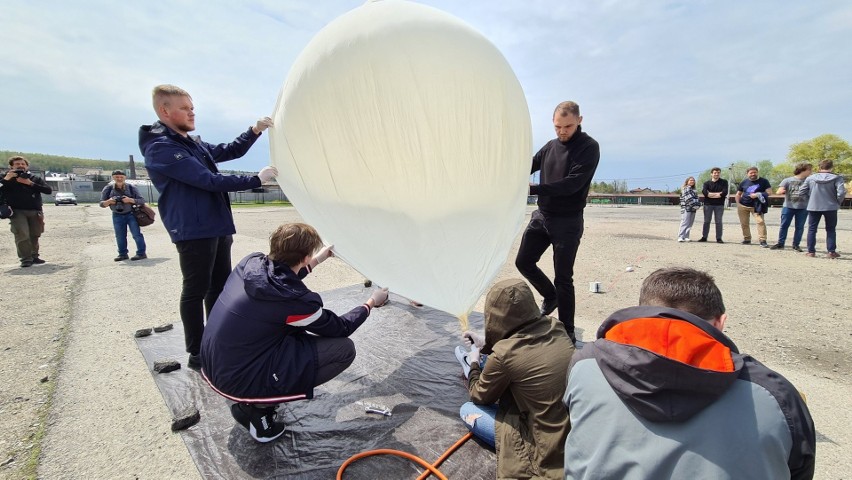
(60, 164)
(824, 147)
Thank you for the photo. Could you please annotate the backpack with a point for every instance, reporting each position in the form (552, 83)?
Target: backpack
(5, 210)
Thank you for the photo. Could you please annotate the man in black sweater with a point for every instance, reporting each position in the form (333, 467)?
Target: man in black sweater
(715, 193)
(567, 164)
(22, 191)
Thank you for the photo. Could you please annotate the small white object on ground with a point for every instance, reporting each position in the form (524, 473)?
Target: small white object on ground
(629, 268)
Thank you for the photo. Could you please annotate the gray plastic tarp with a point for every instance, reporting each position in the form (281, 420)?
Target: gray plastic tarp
(404, 362)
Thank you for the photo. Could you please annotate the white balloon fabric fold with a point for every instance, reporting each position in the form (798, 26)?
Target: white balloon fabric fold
(404, 137)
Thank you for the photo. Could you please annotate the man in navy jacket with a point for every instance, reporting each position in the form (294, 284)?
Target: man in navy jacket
(269, 340)
(194, 203)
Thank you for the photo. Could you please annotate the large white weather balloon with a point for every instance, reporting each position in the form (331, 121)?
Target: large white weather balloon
(404, 137)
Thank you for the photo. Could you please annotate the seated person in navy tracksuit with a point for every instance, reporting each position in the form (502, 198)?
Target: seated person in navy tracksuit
(258, 349)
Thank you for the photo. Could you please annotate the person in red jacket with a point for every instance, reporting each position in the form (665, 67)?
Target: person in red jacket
(269, 340)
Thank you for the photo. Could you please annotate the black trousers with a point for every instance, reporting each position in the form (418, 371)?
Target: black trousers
(205, 264)
(564, 234)
(334, 355)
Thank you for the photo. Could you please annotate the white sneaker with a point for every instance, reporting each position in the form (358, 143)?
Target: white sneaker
(687, 240)
(461, 356)
(681, 240)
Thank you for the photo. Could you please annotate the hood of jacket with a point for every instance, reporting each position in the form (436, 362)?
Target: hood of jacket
(665, 364)
(149, 134)
(509, 307)
(824, 177)
(265, 279)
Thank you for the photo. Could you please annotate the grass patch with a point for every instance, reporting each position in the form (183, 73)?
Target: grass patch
(30, 469)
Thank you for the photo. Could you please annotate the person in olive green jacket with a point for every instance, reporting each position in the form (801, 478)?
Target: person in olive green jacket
(524, 374)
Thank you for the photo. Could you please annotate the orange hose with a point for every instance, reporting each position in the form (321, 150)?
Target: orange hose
(430, 469)
(447, 454)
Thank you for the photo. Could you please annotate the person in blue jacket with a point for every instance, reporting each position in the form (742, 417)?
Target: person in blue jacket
(269, 340)
(194, 203)
(120, 197)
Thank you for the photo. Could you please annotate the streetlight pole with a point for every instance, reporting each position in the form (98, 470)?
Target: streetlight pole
(730, 184)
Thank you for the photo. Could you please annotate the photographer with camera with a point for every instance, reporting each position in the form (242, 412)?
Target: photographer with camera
(23, 192)
(120, 197)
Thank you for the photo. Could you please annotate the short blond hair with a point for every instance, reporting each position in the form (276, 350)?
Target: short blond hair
(161, 94)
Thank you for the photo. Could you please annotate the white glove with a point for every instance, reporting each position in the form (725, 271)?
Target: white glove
(473, 356)
(380, 297)
(473, 338)
(324, 254)
(263, 124)
(266, 173)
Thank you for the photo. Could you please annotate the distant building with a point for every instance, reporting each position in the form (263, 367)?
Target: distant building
(644, 191)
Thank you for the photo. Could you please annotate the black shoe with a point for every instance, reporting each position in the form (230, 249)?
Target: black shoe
(138, 257)
(719, 240)
(37, 261)
(746, 242)
(26, 263)
(548, 306)
(796, 248)
(764, 244)
(702, 239)
(777, 246)
(194, 362)
(259, 421)
(120, 258)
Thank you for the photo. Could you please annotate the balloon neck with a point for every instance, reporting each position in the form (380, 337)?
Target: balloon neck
(463, 322)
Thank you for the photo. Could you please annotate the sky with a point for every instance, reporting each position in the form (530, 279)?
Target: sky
(668, 88)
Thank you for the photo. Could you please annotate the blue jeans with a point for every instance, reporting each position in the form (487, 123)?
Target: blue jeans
(787, 217)
(120, 224)
(830, 232)
(482, 427)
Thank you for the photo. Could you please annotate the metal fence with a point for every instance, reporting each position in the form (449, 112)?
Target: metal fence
(151, 195)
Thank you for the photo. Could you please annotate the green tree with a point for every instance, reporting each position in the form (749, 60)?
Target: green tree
(824, 147)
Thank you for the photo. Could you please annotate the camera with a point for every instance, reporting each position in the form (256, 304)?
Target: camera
(23, 174)
(118, 198)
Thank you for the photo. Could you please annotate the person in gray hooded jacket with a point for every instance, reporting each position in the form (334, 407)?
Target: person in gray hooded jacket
(663, 393)
(826, 192)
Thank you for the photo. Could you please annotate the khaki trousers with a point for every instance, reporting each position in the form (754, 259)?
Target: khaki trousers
(744, 213)
(27, 226)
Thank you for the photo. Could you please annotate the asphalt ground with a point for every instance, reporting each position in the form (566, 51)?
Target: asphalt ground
(77, 399)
